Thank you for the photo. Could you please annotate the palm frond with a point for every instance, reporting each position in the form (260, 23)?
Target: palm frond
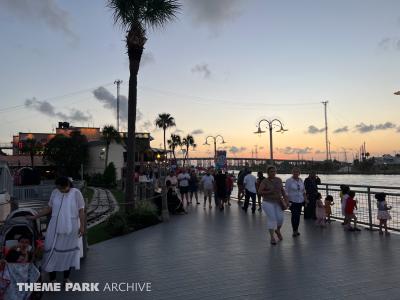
(147, 13)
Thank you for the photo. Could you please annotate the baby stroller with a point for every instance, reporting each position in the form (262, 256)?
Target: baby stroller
(15, 267)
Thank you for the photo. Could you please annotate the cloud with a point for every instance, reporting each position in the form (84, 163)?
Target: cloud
(177, 131)
(43, 11)
(293, 150)
(147, 126)
(197, 131)
(214, 13)
(109, 101)
(389, 43)
(342, 129)
(147, 58)
(202, 69)
(363, 128)
(314, 130)
(235, 149)
(48, 109)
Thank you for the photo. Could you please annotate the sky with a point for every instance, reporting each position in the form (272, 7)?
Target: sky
(219, 68)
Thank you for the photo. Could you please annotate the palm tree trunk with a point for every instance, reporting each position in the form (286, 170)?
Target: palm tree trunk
(106, 162)
(165, 146)
(135, 54)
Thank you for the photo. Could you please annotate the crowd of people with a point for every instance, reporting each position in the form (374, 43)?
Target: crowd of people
(271, 196)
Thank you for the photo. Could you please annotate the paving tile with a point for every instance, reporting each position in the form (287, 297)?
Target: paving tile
(209, 254)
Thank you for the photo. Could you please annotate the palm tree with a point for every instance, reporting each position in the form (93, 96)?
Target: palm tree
(135, 16)
(109, 134)
(165, 121)
(32, 147)
(187, 141)
(174, 142)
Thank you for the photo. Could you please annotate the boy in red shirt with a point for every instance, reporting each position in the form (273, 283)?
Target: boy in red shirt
(351, 204)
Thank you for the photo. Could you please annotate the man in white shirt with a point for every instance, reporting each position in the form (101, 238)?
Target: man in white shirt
(183, 181)
(249, 183)
(207, 182)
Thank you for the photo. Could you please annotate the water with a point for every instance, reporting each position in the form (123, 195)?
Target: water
(355, 179)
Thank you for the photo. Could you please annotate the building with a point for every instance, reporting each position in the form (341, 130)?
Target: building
(96, 149)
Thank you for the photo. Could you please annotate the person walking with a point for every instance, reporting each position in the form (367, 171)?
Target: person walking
(260, 177)
(62, 242)
(183, 181)
(274, 203)
(220, 189)
(194, 186)
(207, 183)
(229, 187)
(296, 194)
(249, 183)
(240, 178)
(311, 186)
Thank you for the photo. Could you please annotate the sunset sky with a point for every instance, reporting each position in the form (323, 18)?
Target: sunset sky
(218, 69)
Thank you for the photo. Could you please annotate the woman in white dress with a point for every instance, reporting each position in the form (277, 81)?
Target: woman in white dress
(61, 246)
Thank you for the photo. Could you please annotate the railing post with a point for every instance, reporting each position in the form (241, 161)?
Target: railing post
(369, 208)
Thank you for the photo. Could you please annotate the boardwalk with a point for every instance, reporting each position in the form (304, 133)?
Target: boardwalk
(226, 255)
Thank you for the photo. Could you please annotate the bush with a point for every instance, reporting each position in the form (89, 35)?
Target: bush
(117, 225)
(144, 214)
(110, 175)
(95, 180)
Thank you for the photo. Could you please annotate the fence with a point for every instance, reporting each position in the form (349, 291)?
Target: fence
(6, 180)
(366, 204)
(366, 207)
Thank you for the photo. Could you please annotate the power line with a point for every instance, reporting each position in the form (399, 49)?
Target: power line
(224, 101)
(21, 106)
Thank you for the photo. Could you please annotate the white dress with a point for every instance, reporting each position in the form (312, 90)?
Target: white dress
(61, 246)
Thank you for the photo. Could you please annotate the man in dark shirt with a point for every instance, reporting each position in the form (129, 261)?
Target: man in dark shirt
(220, 189)
(311, 186)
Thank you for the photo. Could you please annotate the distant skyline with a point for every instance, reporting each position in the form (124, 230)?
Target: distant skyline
(218, 69)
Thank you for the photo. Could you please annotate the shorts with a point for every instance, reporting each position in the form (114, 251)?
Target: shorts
(193, 189)
(208, 192)
(240, 187)
(183, 189)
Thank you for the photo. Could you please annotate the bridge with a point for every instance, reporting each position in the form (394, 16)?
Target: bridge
(237, 162)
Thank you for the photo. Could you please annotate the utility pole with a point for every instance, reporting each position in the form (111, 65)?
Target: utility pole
(118, 83)
(326, 129)
(329, 150)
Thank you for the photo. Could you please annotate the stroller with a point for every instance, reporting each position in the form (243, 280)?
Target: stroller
(17, 227)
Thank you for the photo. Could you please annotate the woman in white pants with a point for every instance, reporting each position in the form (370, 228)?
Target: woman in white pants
(274, 203)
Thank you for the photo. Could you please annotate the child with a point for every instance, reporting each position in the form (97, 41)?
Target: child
(351, 204)
(383, 212)
(328, 211)
(320, 211)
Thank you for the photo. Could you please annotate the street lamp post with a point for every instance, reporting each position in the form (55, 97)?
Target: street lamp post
(215, 143)
(271, 124)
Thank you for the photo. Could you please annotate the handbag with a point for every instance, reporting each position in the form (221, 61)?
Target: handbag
(283, 204)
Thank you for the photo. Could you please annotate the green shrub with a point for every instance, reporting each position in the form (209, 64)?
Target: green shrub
(110, 175)
(144, 214)
(117, 225)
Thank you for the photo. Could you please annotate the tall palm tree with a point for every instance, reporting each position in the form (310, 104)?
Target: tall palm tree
(109, 134)
(173, 143)
(187, 142)
(165, 121)
(135, 16)
(32, 147)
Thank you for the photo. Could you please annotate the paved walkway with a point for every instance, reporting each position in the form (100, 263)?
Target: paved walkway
(209, 254)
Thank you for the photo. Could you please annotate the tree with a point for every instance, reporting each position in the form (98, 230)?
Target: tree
(187, 142)
(109, 134)
(135, 16)
(67, 153)
(165, 121)
(32, 147)
(173, 143)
